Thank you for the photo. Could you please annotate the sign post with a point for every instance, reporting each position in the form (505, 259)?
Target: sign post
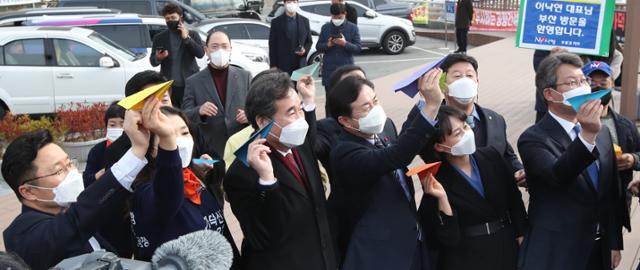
(580, 26)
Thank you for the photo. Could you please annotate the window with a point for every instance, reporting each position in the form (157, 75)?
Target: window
(235, 31)
(156, 29)
(1, 56)
(320, 9)
(140, 7)
(379, 2)
(257, 31)
(217, 6)
(26, 52)
(359, 10)
(129, 36)
(363, 2)
(72, 53)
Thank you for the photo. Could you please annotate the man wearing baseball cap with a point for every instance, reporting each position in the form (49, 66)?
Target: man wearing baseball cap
(623, 131)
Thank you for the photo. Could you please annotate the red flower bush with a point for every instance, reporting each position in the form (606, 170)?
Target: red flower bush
(84, 122)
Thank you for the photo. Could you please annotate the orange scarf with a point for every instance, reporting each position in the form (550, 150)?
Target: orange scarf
(192, 186)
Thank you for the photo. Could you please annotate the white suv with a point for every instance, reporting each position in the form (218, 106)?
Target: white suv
(391, 33)
(136, 32)
(42, 68)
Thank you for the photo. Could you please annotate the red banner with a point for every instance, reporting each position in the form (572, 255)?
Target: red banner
(494, 20)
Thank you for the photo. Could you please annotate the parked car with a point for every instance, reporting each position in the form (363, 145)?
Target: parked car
(377, 30)
(136, 33)
(251, 32)
(42, 68)
(17, 18)
(386, 7)
(144, 7)
(249, 9)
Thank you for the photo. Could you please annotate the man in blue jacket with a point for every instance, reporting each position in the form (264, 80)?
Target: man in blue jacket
(339, 41)
(60, 218)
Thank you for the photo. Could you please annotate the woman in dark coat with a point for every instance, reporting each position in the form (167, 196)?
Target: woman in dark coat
(489, 215)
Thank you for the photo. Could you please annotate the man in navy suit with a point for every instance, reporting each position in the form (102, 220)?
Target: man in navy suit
(289, 39)
(576, 196)
(59, 219)
(379, 226)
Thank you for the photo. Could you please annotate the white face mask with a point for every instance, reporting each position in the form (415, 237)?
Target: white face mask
(220, 58)
(291, 7)
(67, 191)
(185, 148)
(294, 133)
(337, 22)
(463, 90)
(114, 133)
(466, 145)
(582, 90)
(374, 122)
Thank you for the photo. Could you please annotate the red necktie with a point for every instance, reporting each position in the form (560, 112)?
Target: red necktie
(291, 164)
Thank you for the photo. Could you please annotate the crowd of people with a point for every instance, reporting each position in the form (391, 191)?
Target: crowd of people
(332, 193)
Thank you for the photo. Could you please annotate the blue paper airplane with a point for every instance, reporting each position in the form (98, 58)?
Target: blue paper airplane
(205, 161)
(409, 85)
(577, 101)
(242, 152)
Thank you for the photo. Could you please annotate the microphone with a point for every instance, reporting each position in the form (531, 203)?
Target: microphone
(204, 249)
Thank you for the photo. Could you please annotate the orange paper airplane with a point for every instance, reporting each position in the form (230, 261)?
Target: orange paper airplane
(423, 169)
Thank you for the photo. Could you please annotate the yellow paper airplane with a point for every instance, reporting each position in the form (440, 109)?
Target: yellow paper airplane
(136, 101)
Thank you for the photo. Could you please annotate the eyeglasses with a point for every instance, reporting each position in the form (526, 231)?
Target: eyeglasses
(575, 83)
(73, 164)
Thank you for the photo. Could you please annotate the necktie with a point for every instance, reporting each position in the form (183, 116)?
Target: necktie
(290, 162)
(396, 173)
(592, 170)
(471, 121)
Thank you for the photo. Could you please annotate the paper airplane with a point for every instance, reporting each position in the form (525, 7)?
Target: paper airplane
(577, 101)
(205, 161)
(311, 70)
(136, 101)
(409, 85)
(242, 152)
(423, 169)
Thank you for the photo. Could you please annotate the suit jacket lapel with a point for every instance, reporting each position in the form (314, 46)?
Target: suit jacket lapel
(604, 147)
(491, 131)
(459, 185)
(232, 85)
(284, 176)
(558, 134)
(312, 178)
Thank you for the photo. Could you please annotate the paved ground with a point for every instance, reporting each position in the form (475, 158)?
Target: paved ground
(506, 85)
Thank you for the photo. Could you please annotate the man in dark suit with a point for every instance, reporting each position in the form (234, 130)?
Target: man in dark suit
(575, 194)
(489, 127)
(289, 39)
(279, 201)
(378, 219)
(464, 15)
(59, 219)
(176, 50)
(214, 97)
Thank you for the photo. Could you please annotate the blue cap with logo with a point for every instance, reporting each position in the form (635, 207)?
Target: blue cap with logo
(596, 66)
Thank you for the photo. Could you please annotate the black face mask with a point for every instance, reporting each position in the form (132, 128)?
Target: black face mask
(606, 98)
(173, 25)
